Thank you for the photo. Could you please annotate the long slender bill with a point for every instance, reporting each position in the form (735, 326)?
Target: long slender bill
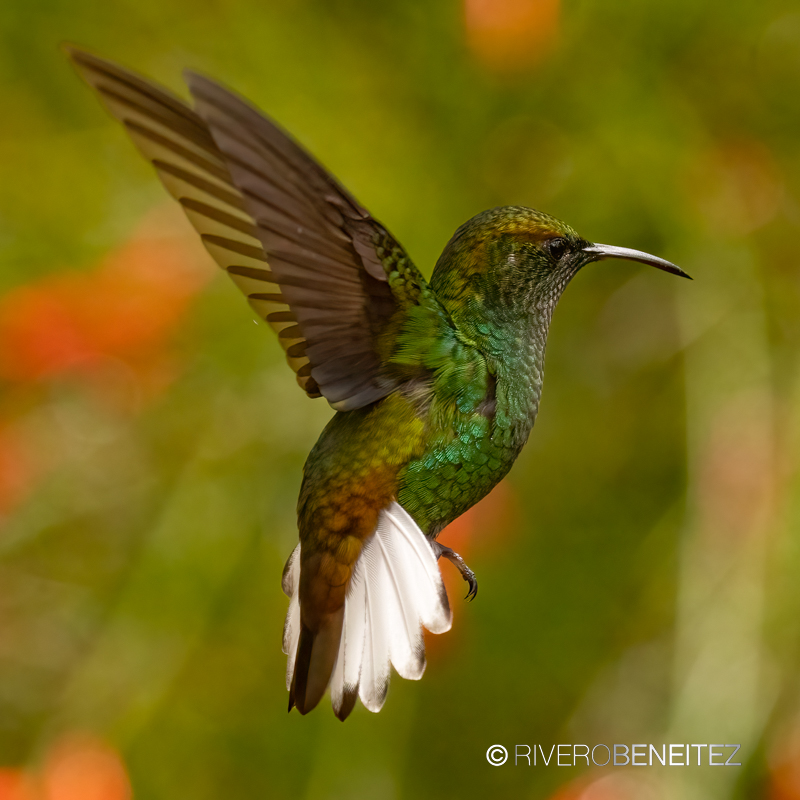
(601, 251)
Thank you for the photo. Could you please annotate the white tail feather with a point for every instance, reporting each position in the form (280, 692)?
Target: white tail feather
(291, 628)
(347, 672)
(396, 589)
(406, 644)
(375, 670)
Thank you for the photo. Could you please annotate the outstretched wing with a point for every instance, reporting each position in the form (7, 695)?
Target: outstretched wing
(312, 262)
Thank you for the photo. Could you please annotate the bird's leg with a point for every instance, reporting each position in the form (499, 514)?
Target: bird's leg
(454, 558)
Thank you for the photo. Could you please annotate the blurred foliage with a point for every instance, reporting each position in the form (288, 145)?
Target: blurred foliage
(639, 568)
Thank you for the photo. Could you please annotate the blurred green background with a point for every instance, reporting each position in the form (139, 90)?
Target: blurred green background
(638, 569)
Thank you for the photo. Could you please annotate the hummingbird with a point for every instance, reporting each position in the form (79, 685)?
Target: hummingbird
(436, 384)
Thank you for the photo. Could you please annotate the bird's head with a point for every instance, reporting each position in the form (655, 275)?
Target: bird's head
(513, 262)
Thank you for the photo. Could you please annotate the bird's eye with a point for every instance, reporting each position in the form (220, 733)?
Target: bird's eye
(556, 247)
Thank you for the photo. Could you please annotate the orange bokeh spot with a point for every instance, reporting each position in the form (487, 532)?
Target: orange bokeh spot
(79, 767)
(614, 786)
(16, 785)
(84, 768)
(784, 765)
(108, 329)
(572, 791)
(510, 35)
(784, 782)
(75, 322)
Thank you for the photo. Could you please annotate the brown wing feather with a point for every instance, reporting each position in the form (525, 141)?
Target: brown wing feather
(178, 143)
(320, 243)
(295, 242)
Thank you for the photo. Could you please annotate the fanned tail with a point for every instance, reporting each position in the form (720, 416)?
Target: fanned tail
(396, 589)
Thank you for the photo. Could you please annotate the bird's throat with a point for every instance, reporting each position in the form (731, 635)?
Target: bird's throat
(518, 363)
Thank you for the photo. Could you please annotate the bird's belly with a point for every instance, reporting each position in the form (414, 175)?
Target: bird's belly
(459, 467)
(365, 459)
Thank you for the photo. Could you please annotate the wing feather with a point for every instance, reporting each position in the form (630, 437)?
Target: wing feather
(281, 183)
(311, 261)
(178, 143)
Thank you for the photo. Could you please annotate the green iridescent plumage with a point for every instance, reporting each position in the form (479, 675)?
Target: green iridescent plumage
(436, 385)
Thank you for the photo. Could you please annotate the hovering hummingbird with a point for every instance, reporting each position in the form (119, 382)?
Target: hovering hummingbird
(436, 384)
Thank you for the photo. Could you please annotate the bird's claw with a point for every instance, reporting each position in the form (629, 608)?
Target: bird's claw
(454, 558)
(469, 576)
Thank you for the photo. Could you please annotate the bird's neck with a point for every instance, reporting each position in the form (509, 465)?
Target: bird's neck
(513, 343)
(514, 347)
(508, 324)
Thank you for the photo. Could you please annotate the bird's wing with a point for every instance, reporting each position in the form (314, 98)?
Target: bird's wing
(312, 262)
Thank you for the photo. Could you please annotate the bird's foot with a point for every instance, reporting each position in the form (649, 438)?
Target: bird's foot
(454, 558)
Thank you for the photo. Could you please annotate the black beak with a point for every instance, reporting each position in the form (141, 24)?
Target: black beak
(601, 251)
